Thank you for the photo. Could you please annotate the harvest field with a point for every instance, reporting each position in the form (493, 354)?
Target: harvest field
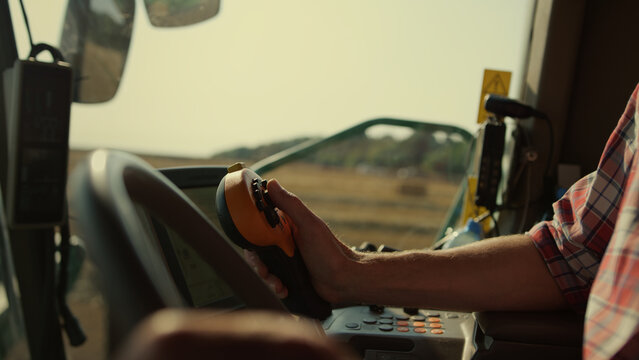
(358, 204)
(403, 213)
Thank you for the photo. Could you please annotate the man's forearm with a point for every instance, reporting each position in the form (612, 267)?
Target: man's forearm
(505, 273)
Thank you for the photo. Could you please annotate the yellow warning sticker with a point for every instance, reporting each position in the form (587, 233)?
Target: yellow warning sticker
(495, 82)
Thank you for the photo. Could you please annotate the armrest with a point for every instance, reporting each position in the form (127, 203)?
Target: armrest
(561, 328)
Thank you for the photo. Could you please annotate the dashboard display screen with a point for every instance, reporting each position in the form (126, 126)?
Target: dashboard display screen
(198, 282)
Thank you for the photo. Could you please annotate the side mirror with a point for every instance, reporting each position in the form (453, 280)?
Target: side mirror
(171, 13)
(95, 40)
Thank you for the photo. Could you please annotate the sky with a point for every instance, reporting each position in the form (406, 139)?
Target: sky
(264, 71)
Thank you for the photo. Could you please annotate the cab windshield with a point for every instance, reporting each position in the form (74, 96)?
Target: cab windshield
(262, 76)
(265, 71)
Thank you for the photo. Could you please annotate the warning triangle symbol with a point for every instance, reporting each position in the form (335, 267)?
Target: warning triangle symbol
(495, 85)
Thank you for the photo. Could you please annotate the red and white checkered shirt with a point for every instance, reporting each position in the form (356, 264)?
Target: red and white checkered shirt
(592, 246)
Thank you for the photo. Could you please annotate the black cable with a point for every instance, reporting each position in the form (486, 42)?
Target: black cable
(26, 22)
(496, 228)
(470, 152)
(38, 48)
(551, 145)
(70, 323)
(503, 106)
(526, 206)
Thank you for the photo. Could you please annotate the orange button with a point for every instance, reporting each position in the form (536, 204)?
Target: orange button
(434, 319)
(419, 324)
(435, 325)
(420, 330)
(436, 331)
(402, 323)
(403, 329)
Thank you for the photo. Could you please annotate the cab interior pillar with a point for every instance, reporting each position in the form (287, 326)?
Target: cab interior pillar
(32, 249)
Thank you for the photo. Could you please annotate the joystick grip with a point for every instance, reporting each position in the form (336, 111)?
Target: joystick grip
(252, 222)
(302, 297)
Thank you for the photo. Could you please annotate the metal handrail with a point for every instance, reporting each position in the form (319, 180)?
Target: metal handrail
(310, 146)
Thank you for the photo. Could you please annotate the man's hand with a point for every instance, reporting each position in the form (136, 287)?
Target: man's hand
(271, 280)
(326, 258)
(200, 334)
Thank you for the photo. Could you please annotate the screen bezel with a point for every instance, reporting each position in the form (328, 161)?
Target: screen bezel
(187, 178)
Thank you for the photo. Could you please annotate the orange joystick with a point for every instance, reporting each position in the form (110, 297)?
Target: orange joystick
(250, 219)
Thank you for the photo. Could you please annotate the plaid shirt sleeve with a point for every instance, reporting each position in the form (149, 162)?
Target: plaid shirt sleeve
(574, 242)
(612, 317)
(591, 246)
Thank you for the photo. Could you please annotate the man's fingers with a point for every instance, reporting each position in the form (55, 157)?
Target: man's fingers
(257, 264)
(288, 202)
(276, 285)
(271, 280)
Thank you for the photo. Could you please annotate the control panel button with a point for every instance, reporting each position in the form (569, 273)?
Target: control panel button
(420, 330)
(403, 329)
(411, 311)
(386, 327)
(418, 318)
(402, 323)
(419, 324)
(386, 321)
(434, 319)
(352, 325)
(435, 325)
(370, 321)
(437, 331)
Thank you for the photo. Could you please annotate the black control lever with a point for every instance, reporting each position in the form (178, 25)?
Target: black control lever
(252, 222)
(503, 106)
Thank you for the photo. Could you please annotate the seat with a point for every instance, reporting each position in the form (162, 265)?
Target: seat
(111, 195)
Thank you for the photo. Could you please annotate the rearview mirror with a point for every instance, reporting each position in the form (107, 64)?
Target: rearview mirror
(95, 40)
(171, 13)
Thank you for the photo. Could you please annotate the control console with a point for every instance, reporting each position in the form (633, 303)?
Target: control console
(392, 333)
